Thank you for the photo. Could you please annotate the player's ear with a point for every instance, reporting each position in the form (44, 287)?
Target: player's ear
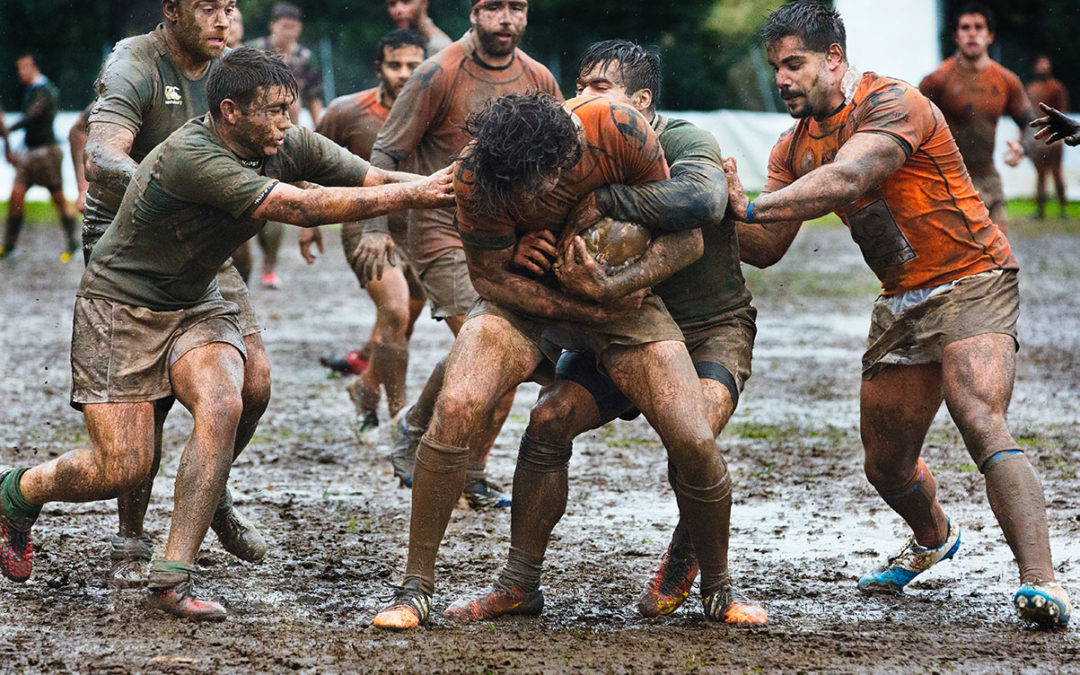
(171, 10)
(231, 111)
(642, 99)
(834, 55)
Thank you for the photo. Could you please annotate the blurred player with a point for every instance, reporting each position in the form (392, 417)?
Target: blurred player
(42, 162)
(1044, 88)
(974, 91)
(413, 15)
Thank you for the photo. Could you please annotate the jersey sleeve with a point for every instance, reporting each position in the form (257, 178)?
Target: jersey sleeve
(1018, 105)
(898, 111)
(124, 88)
(211, 176)
(318, 159)
(410, 117)
(780, 173)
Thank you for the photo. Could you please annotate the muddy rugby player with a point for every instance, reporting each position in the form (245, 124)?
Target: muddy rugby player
(413, 15)
(149, 86)
(150, 322)
(875, 151)
(426, 123)
(974, 91)
(1045, 89)
(697, 274)
(353, 121)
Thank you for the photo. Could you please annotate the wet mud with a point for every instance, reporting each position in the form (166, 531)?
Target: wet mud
(805, 524)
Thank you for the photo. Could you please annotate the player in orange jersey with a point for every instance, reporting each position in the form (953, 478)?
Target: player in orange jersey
(1046, 89)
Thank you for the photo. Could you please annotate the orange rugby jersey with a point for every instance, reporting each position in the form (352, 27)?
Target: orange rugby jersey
(925, 225)
(620, 147)
(354, 121)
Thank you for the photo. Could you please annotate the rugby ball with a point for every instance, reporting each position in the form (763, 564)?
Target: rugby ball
(615, 243)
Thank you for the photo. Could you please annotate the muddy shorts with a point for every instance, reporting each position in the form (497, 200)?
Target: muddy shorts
(350, 239)
(991, 193)
(234, 290)
(720, 347)
(449, 289)
(122, 354)
(913, 327)
(41, 166)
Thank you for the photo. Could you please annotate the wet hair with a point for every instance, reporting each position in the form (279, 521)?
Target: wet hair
(286, 10)
(521, 142)
(28, 55)
(396, 39)
(639, 67)
(812, 22)
(241, 74)
(976, 8)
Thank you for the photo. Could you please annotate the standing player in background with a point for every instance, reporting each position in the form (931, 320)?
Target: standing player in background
(413, 15)
(1045, 89)
(286, 24)
(149, 87)
(427, 124)
(353, 121)
(974, 91)
(42, 163)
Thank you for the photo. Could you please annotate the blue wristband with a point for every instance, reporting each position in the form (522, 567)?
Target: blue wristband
(750, 213)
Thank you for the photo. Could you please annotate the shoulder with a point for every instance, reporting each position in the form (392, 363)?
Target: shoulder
(134, 52)
(938, 76)
(877, 90)
(680, 138)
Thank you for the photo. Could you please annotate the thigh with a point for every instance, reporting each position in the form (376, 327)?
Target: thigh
(579, 372)
(208, 373)
(896, 407)
(978, 375)
(119, 429)
(391, 292)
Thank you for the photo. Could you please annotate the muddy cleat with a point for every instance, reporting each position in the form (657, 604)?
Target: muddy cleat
(1046, 605)
(499, 601)
(236, 534)
(367, 426)
(911, 561)
(130, 557)
(171, 588)
(16, 544)
(671, 584)
(725, 607)
(403, 443)
(482, 493)
(353, 363)
(410, 608)
(271, 281)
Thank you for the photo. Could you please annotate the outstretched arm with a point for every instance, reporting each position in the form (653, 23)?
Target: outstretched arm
(696, 195)
(760, 245)
(1055, 127)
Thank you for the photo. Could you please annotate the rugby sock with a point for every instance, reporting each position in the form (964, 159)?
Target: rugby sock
(420, 414)
(540, 489)
(389, 363)
(68, 223)
(916, 502)
(15, 504)
(1016, 497)
(11, 232)
(522, 571)
(680, 538)
(438, 479)
(167, 573)
(707, 512)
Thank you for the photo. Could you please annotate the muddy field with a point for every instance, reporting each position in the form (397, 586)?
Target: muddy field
(806, 523)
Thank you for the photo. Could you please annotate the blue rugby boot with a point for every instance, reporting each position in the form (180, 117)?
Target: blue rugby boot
(1046, 605)
(911, 561)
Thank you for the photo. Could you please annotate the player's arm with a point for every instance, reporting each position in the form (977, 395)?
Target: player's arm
(108, 159)
(39, 108)
(308, 208)
(1055, 126)
(695, 196)
(760, 244)
(77, 141)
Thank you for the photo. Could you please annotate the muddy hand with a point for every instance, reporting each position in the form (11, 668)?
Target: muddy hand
(583, 215)
(1055, 127)
(580, 274)
(535, 252)
(374, 252)
(737, 199)
(437, 190)
(309, 236)
(1014, 155)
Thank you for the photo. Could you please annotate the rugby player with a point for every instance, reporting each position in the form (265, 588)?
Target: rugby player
(42, 162)
(413, 15)
(698, 276)
(530, 163)
(353, 121)
(1045, 89)
(875, 151)
(149, 87)
(974, 91)
(426, 122)
(149, 319)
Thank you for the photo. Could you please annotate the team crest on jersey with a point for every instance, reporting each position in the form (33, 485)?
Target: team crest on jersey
(172, 95)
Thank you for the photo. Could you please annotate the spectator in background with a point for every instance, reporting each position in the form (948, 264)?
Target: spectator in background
(1045, 88)
(41, 163)
(412, 14)
(236, 30)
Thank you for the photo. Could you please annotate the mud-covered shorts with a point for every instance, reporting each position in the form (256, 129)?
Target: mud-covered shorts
(913, 327)
(350, 239)
(122, 354)
(448, 287)
(41, 166)
(721, 348)
(234, 290)
(992, 194)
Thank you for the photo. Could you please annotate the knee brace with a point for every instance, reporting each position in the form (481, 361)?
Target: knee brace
(998, 456)
(541, 457)
(439, 457)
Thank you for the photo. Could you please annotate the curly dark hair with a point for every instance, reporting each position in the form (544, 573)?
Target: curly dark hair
(521, 142)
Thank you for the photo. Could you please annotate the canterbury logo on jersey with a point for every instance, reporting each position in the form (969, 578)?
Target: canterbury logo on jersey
(172, 95)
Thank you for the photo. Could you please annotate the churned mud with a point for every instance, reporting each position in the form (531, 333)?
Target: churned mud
(805, 524)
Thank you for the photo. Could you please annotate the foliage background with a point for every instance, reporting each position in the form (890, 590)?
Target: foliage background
(712, 59)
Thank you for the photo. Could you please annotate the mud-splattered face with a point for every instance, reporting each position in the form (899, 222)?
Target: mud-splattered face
(397, 65)
(802, 76)
(605, 79)
(261, 126)
(405, 13)
(499, 25)
(973, 36)
(201, 27)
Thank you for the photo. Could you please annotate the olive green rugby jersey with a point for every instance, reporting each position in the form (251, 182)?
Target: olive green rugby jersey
(189, 206)
(143, 90)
